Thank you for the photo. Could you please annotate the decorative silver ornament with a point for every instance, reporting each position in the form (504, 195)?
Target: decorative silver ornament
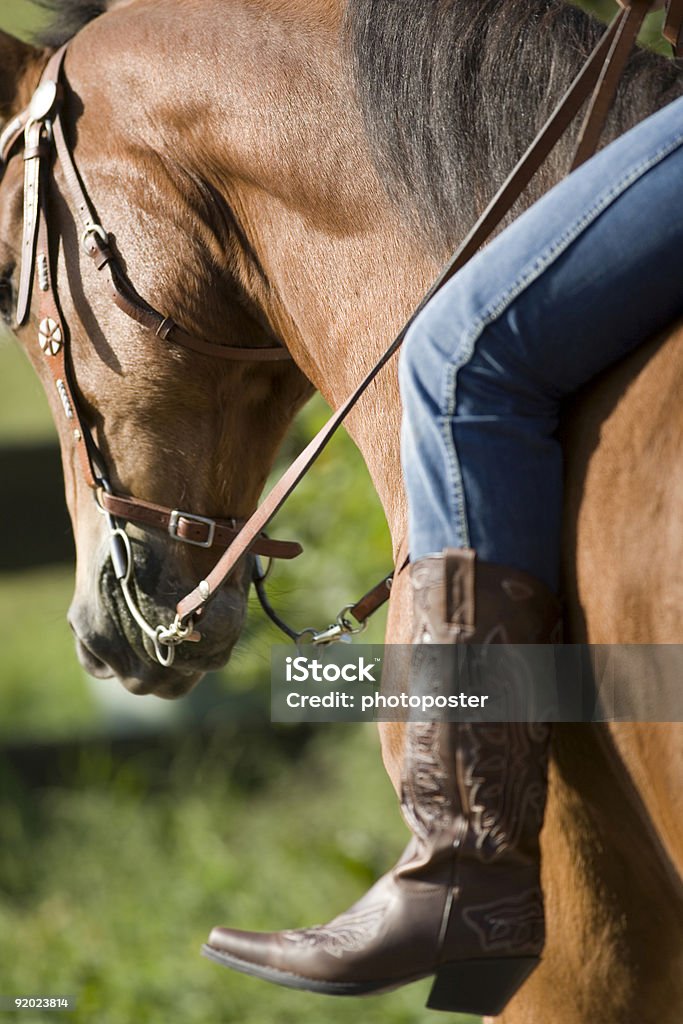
(64, 395)
(50, 336)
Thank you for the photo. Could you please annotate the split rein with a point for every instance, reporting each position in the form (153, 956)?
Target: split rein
(40, 127)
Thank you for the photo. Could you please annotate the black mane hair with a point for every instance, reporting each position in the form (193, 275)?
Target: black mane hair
(66, 18)
(452, 92)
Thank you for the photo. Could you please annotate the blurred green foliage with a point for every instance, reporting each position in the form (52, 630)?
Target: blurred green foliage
(112, 874)
(651, 34)
(108, 887)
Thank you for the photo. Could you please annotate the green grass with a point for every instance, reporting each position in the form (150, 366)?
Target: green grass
(42, 692)
(108, 888)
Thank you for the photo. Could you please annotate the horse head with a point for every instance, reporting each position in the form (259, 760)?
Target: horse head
(176, 427)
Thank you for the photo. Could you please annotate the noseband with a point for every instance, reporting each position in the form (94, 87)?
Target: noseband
(42, 132)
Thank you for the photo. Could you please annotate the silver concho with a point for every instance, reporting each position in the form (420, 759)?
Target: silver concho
(50, 336)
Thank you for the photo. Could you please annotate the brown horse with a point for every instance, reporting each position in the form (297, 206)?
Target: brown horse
(224, 148)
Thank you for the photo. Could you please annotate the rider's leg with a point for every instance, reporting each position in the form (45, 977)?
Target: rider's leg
(481, 393)
(575, 283)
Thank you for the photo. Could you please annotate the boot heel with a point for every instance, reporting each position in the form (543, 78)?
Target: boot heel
(482, 987)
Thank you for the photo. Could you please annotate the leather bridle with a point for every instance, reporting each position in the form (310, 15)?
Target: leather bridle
(41, 128)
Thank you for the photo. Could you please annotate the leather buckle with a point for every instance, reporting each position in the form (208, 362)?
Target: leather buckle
(177, 515)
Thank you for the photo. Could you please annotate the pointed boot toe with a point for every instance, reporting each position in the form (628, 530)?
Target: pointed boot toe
(309, 959)
(255, 953)
(241, 944)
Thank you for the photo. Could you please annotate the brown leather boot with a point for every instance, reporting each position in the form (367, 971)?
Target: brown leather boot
(464, 901)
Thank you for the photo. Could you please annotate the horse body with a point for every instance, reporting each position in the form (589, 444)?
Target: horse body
(256, 145)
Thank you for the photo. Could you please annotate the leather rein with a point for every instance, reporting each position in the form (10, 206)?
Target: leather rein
(41, 130)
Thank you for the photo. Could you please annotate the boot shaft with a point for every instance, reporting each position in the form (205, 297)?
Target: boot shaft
(479, 786)
(459, 599)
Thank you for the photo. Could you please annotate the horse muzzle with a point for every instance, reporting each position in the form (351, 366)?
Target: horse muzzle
(117, 628)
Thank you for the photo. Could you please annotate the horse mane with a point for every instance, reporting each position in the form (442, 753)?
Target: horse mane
(452, 92)
(66, 18)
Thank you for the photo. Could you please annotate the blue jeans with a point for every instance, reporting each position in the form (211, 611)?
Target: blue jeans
(581, 278)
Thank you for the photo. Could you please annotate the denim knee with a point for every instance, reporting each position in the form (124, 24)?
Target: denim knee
(499, 378)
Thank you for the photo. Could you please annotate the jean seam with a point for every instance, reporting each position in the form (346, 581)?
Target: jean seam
(457, 490)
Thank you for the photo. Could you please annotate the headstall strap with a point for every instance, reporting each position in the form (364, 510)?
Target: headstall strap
(43, 135)
(43, 131)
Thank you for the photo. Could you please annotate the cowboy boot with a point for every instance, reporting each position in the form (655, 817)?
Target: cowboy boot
(464, 901)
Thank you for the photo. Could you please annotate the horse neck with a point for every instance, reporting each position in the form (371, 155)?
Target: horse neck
(321, 252)
(258, 110)
(342, 271)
